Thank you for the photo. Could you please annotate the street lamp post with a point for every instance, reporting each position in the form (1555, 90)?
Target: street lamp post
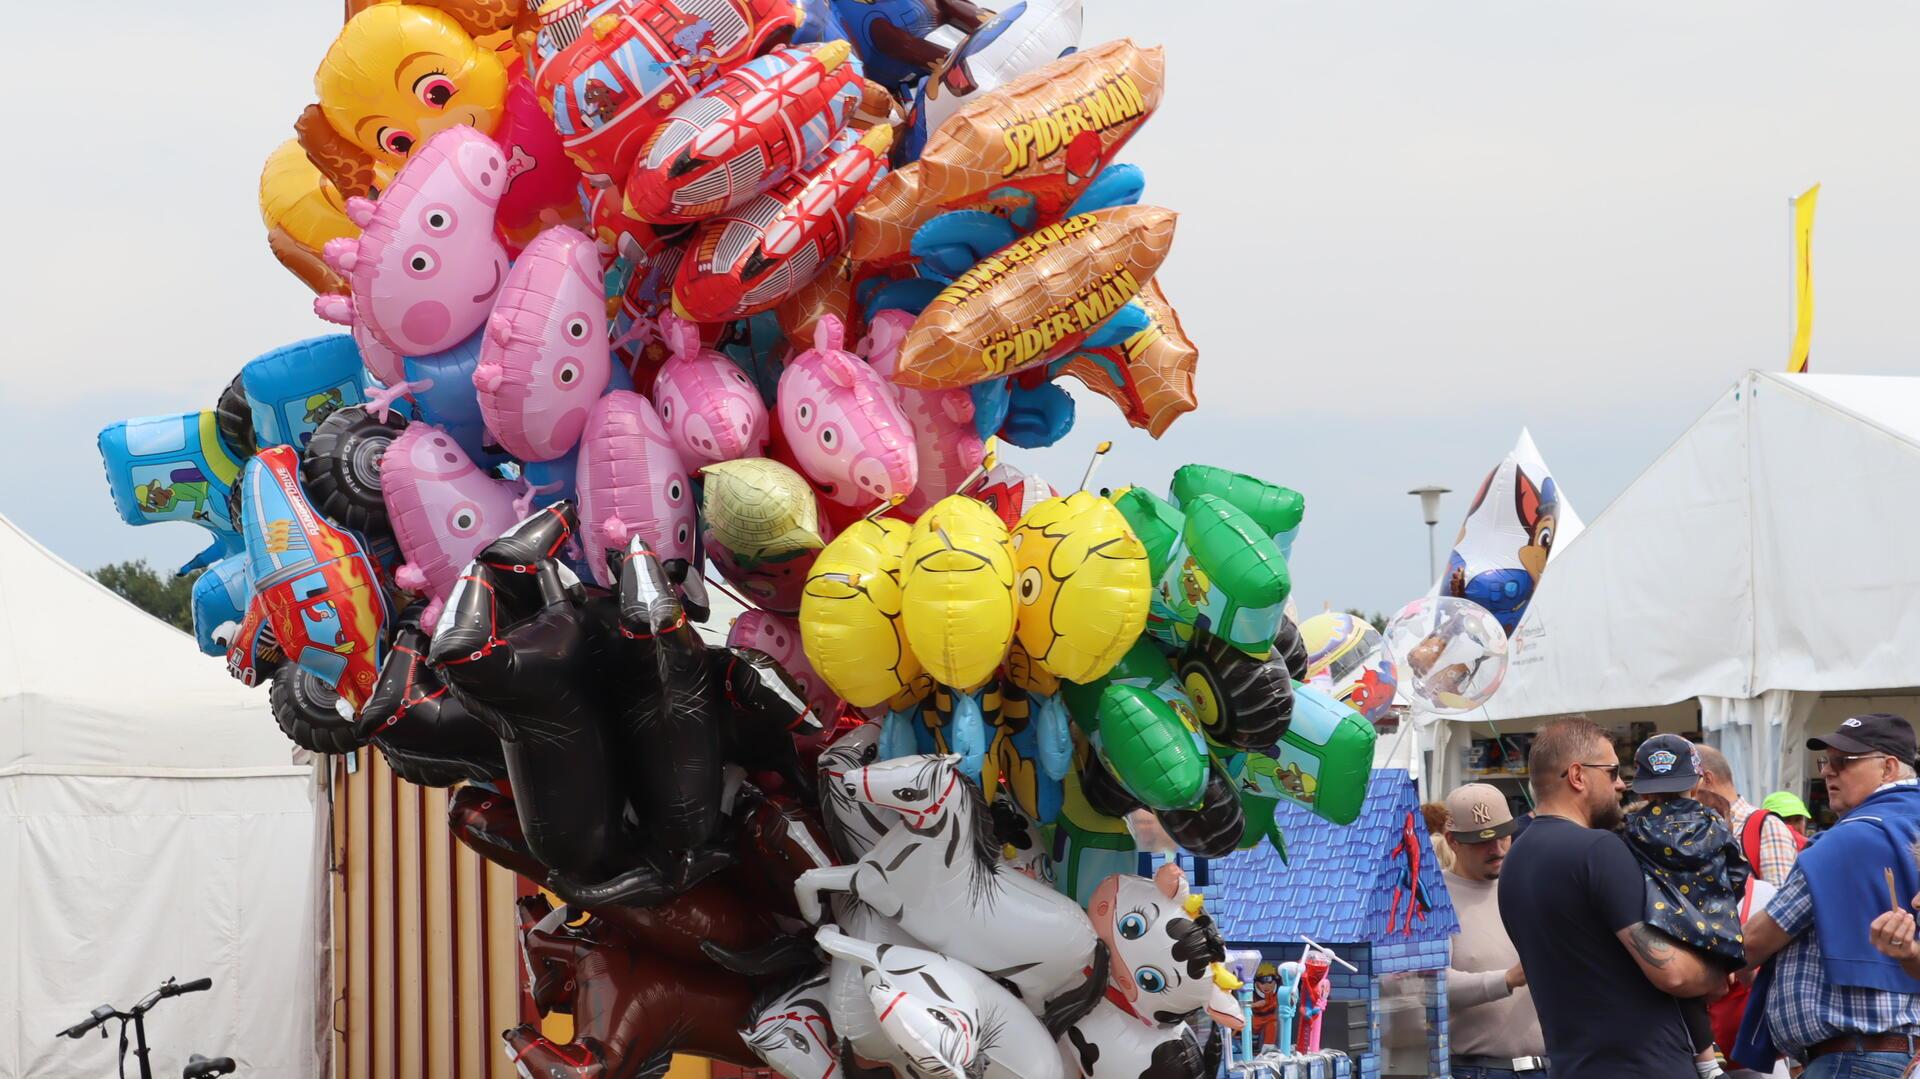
(1430, 512)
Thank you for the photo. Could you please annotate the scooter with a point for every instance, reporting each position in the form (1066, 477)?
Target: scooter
(198, 1067)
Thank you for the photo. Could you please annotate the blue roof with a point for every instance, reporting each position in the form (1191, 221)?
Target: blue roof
(1341, 878)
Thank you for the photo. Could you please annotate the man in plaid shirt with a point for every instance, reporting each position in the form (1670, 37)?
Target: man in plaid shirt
(1844, 1013)
(1777, 846)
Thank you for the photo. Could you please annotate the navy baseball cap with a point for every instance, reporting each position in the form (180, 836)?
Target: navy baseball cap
(1875, 732)
(1666, 764)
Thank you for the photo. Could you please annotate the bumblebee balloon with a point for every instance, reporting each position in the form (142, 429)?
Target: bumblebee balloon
(851, 622)
(957, 585)
(1083, 585)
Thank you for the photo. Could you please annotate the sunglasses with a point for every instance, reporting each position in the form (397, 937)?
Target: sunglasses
(1836, 765)
(1612, 770)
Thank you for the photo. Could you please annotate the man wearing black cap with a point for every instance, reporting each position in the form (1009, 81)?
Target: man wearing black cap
(1827, 996)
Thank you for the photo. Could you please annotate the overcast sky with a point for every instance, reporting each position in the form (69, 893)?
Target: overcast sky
(1407, 229)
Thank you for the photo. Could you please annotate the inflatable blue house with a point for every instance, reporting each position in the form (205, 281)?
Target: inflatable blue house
(1371, 893)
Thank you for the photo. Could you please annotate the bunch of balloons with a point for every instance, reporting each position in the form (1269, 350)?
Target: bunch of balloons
(640, 296)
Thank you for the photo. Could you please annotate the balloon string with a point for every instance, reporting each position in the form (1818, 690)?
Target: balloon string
(730, 593)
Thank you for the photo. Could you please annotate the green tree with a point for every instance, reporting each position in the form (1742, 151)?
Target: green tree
(166, 597)
(1376, 619)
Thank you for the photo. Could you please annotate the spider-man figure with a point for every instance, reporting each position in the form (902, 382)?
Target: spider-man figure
(1411, 843)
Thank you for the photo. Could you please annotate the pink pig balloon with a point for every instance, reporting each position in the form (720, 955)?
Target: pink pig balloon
(631, 482)
(779, 637)
(443, 508)
(544, 361)
(842, 424)
(426, 266)
(944, 437)
(710, 407)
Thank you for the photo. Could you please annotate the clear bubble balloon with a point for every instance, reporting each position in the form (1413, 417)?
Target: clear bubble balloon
(1451, 653)
(1348, 659)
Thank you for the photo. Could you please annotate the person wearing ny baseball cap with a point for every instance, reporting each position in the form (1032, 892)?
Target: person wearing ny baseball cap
(1494, 1032)
(1830, 994)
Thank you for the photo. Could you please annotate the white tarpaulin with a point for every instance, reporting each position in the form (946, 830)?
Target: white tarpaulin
(151, 824)
(1770, 548)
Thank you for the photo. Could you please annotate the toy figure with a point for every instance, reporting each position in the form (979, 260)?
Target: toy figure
(1315, 989)
(1266, 1003)
(1287, 1003)
(1410, 846)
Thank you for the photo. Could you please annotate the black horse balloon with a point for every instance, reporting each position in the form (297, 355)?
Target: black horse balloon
(428, 737)
(667, 730)
(514, 647)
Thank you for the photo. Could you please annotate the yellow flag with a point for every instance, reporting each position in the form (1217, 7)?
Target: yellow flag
(1802, 278)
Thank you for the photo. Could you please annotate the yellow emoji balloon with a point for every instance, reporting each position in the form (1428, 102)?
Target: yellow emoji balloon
(958, 585)
(399, 73)
(850, 617)
(1084, 585)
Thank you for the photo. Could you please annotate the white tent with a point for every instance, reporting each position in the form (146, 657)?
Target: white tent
(1766, 559)
(151, 824)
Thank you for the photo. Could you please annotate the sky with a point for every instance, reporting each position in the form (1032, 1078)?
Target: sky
(1407, 230)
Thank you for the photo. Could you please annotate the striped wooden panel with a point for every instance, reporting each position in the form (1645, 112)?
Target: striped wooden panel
(426, 967)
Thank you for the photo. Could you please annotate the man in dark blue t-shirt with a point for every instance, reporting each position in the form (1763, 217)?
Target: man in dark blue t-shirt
(1573, 900)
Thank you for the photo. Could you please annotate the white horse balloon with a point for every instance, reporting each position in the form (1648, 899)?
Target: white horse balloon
(938, 873)
(948, 1020)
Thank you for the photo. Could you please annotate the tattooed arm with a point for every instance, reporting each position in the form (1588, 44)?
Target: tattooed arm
(1670, 967)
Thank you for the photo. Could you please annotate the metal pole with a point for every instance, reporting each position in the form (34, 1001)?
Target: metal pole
(1433, 559)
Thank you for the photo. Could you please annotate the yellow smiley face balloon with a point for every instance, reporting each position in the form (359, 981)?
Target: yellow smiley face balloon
(958, 585)
(1084, 585)
(399, 73)
(850, 617)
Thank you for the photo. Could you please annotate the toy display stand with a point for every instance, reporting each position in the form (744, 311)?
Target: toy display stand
(1325, 1064)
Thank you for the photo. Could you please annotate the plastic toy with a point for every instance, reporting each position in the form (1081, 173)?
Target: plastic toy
(294, 388)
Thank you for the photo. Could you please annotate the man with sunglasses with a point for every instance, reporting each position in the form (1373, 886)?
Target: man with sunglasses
(1827, 996)
(1573, 900)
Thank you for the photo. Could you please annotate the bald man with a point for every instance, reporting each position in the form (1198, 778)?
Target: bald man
(1770, 845)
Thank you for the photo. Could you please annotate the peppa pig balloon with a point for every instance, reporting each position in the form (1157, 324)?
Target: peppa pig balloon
(442, 507)
(710, 407)
(843, 426)
(544, 361)
(427, 265)
(632, 482)
(944, 437)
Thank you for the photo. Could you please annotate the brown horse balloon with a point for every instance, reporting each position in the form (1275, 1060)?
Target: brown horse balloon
(632, 1009)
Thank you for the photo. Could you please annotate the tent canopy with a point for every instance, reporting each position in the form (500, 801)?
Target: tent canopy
(152, 823)
(92, 685)
(1769, 548)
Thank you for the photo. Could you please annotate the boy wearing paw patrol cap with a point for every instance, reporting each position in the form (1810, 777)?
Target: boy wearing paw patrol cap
(1695, 874)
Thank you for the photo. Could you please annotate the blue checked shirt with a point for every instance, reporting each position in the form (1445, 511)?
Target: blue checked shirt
(1803, 1010)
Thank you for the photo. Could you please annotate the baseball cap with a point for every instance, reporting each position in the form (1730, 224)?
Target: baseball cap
(1477, 812)
(1875, 732)
(1786, 804)
(1666, 764)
